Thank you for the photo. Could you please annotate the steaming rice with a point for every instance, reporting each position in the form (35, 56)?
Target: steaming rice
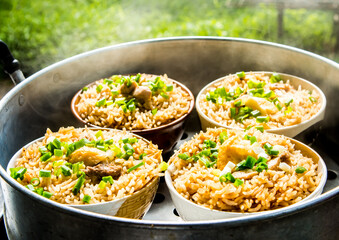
(77, 166)
(141, 101)
(232, 170)
(256, 99)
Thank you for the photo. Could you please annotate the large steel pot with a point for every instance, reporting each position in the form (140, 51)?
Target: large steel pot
(43, 101)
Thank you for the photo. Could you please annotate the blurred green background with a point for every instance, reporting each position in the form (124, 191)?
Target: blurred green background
(40, 33)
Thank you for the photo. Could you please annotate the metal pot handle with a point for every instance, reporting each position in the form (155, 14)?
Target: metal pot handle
(11, 65)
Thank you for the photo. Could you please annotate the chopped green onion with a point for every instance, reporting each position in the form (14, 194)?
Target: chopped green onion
(57, 143)
(115, 93)
(261, 166)
(246, 164)
(300, 170)
(35, 182)
(261, 119)
(289, 109)
(238, 182)
(255, 113)
(108, 179)
(66, 171)
(278, 105)
(45, 173)
(237, 103)
(47, 194)
(274, 152)
(312, 99)
(260, 128)
(209, 144)
(183, 156)
(43, 150)
(154, 111)
(39, 190)
(233, 112)
(141, 156)
(248, 128)
(135, 167)
(108, 81)
(30, 187)
(101, 102)
(275, 77)
(98, 134)
(288, 102)
(99, 88)
(222, 137)
(241, 74)
(58, 152)
(46, 157)
(78, 184)
(228, 177)
(84, 89)
(58, 163)
(86, 198)
(117, 151)
(253, 139)
(163, 166)
(169, 88)
(164, 95)
(18, 172)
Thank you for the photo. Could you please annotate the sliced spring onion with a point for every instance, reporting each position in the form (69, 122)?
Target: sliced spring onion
(99, 88)
(98, 134)
(246, 164)
(30, 187)
(233, 112)
(58, 152)
(169, 88)
(312, 99)
(261, 166)
(228, 177)
(222, 137)
(66, 171)
(35, 182)
(261, 119)
(18, 172)
(253, 139)
(288, 102)
(39, 190)
(260, 128)
(45, 157)
(241, 74)
(255, 113)
(108, 179)
(117, 151)
(183, 156)
(43, 149)
(45, 173)
(237, 103)
(86, 198)
(163, 166)
(275, 77)
(238, 182)
(141, 156)
(164, 95)
(47, 194)
(78, 184)
(300, 169)
(101, 102)
(278, 105)
(154, 111)
(135, 167)
(289, 109)
(84, 89)
(102, 184)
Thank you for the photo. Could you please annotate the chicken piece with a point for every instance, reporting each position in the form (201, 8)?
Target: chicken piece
(261, 104)
(90, 156)
(245, 174)
(273, 163)
(234, 149)
(102, 170)
(144, 95)
(128, 87)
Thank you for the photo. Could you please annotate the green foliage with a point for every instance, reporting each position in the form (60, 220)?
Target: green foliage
(40, 33)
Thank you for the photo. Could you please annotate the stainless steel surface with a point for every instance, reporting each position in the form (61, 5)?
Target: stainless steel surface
(43, 101)
(17, 77)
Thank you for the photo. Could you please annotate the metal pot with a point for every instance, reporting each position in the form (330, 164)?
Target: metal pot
(42, 101)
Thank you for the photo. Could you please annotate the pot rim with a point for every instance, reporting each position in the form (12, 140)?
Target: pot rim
(165, 224)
